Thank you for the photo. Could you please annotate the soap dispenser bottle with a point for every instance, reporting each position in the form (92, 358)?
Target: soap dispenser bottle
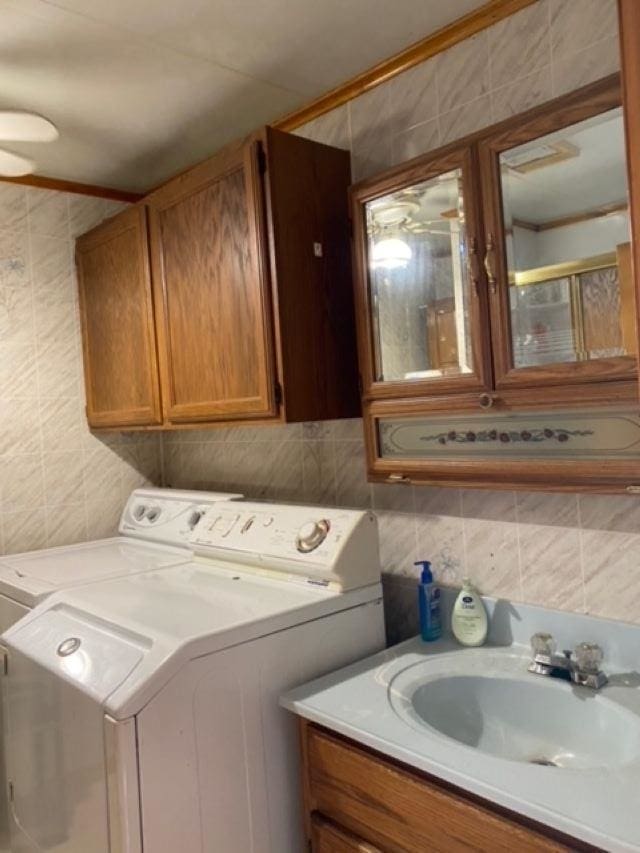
(469, 621)
(428, 604)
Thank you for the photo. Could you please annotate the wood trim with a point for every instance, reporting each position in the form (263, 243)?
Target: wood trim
(597, 213)
(443, 39)
(629, 21)
(60, 185)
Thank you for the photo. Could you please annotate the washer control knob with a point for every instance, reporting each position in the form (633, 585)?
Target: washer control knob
(68, 647)
(194, 518)
(312, 534)
(139, 512)
(153, 514)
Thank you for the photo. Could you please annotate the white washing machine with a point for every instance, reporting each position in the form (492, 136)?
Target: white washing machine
(141, 713)
(154, 528)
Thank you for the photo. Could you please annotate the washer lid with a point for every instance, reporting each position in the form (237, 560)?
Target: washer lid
(30, 577)
(93, 657)
(176, 614)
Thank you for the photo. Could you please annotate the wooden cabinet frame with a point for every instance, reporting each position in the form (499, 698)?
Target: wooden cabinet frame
(597, 384)
(565, 111)
(357, 799)
(457, 156)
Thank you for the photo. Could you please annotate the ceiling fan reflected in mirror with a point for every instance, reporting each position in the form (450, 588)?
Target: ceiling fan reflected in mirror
(21, 126)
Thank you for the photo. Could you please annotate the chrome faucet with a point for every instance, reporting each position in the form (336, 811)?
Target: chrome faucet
(581, 666)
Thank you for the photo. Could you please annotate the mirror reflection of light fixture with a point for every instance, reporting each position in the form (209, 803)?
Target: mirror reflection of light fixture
(391, 253)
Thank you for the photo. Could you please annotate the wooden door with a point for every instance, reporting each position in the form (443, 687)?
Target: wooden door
(427, 212)
(116, 311)
(212, 291)
(555, 204)
(442, 334)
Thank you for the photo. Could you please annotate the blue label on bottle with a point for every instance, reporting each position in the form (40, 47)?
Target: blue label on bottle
(467, 599)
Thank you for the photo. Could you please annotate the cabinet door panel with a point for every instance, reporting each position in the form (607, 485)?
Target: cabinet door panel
(419, 286)
(213, 295)
(400, 811)
(557, 222)
(120, 361)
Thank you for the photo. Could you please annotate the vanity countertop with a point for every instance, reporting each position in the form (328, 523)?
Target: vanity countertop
(598, 804)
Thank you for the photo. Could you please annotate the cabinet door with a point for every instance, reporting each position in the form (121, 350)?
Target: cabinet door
(116, 310)
(557, 234)
(420, 290)
(212, 291)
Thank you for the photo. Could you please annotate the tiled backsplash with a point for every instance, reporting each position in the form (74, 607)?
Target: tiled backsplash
(58, 483)
(571, 552)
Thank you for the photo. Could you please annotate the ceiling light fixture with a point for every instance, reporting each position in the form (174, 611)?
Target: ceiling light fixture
(21, 126)
(391, 253)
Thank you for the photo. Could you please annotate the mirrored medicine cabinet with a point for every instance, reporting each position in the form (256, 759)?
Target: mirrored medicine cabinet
(496, 305)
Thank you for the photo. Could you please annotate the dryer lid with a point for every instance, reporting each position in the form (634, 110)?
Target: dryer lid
(31, 577)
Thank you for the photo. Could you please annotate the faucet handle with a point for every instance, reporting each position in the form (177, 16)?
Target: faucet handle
(589, 656)
(543, 644)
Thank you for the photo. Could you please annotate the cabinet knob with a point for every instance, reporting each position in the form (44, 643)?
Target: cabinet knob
(486, 401)
(398, 478)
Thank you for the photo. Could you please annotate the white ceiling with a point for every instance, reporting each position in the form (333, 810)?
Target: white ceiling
(139, 89)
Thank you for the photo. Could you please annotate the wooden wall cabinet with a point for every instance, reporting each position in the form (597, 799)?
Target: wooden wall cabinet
(252, 301)
(493, 280)
(358, 801)
(116, 311)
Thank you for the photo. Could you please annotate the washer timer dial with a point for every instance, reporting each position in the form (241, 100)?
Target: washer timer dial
(311, 535)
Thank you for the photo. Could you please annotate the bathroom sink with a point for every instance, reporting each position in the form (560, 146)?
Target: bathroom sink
(490, 703)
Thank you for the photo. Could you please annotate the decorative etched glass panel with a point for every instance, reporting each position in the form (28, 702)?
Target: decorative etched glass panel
(566, 217)
(550, 435)
(418, 281)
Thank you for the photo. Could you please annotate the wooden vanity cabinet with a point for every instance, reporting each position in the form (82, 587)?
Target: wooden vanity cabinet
(358, 801)
(117, 322)
(251, 279)
(252, 300)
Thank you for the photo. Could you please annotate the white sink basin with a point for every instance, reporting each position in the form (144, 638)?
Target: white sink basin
(489, 702)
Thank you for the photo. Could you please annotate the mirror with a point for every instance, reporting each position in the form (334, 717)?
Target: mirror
(566, 218)
(418, 281)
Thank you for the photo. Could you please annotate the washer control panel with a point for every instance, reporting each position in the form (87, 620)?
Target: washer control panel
(167, 516)
(313, 544)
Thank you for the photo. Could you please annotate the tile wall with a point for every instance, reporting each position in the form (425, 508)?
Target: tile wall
(565, 551)
(58, 483)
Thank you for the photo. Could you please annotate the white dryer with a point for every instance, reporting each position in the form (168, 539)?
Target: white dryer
(142, 712)
(154, 528)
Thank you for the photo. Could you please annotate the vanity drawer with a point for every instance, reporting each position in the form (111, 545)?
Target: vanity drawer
(326, 837)
(399, 810)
